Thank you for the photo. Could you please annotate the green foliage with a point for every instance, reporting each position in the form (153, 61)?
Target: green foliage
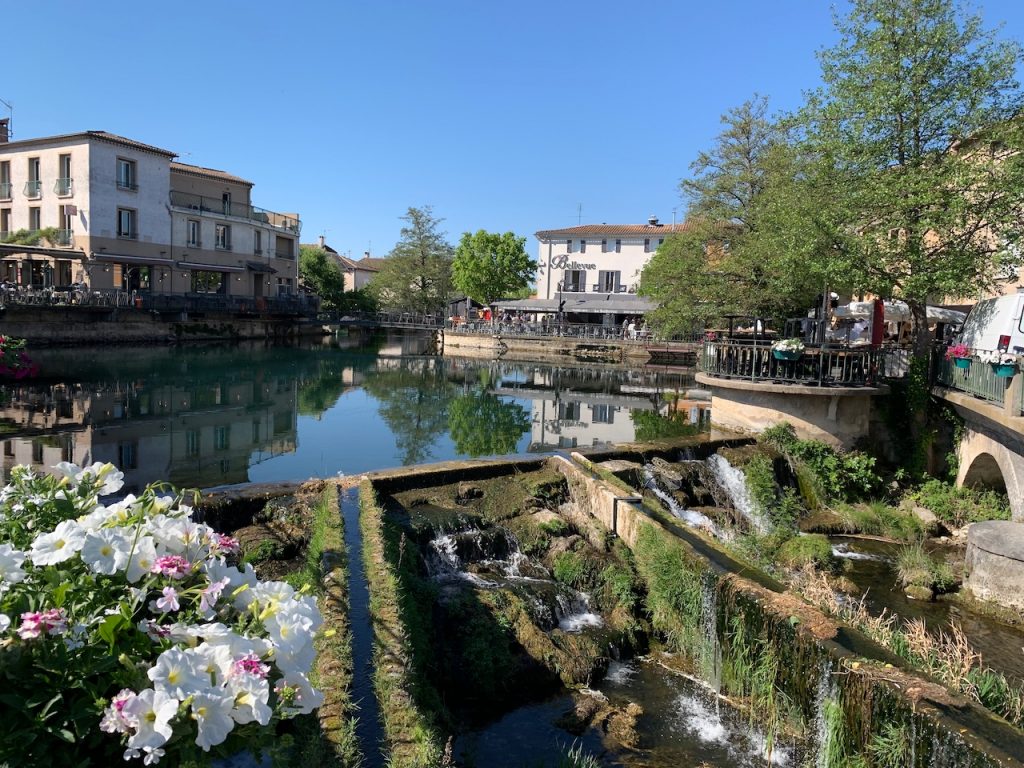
(482, 424)
(555, 527)
(416, 275)
(651, 425)
(673, 582)
(760, 476)
(574, 569)
(321, 272)
(890, 747)
(32, 236)
(812, 549)
(618, 581)
(879, 519)
(268, 549)
(839, 475)
(489, 266)
(959, 506)
(359, 300)
(916, 568)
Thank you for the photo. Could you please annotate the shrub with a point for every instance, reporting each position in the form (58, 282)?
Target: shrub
(812, 549)
(133, 624)
(837, 475)
(958, 506)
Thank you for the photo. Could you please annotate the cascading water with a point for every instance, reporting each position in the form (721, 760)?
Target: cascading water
(711, 650)
(688, 516)
(496, 553)
(734, 482)
(843, 550)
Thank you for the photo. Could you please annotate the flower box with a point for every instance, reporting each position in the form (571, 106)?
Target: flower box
(787, 354)
(962, 362)
(1004, 370)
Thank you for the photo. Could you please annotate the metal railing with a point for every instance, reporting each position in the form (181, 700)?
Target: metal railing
(128, 184)
(63, 237)
(978, 379)
(816, 366)
(239, 210)
(63, 186)
(304, 306)
(33, 189)
(282, 254)
(5, 190)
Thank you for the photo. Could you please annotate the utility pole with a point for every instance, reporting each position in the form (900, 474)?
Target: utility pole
(579, 214)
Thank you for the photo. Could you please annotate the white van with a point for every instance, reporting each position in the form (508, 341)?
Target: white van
(995, 324)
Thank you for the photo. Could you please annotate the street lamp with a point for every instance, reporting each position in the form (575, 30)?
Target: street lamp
(561, 304)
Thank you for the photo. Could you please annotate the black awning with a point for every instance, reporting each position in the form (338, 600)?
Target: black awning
(259, 266)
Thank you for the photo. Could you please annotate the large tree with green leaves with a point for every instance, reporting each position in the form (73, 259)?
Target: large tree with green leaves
(734, 254)
(489, 266)
(321, 272)
(417, 274)
(917, 145)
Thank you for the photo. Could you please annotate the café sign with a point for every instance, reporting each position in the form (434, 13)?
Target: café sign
(562, 262)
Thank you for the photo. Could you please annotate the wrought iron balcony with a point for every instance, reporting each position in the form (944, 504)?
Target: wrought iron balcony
(64, 187)
(283, 254)
(128, 235)
(5, 190)
(64, 237)
(221, 207)
(127, 184)
(33, 189)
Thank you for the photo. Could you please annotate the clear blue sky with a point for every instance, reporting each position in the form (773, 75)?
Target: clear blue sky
(502, 116)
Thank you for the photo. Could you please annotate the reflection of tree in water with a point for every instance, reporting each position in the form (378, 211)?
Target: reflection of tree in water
(320, 389)
(482, 424)
(651, 425)
(413, 401)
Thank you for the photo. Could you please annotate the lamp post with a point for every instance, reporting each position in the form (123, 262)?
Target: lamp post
(561, 304)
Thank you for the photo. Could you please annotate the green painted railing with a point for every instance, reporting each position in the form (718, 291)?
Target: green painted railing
(978, 379)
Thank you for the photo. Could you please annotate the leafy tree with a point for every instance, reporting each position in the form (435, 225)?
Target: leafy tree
(918, 166)
(734, 255)
(489, 266)
(482, 424)
(321, 272)
(416, 275)
(651, 425)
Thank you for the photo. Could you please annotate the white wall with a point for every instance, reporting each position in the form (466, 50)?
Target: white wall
(551, 254)
(151, 200)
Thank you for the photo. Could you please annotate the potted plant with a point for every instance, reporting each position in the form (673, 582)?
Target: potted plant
(960, 354)
(788, 349)
(1003, 364)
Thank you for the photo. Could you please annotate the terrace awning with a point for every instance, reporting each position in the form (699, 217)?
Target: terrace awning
(115, 258)
(259, 266)
(591, 303)
(208, 267)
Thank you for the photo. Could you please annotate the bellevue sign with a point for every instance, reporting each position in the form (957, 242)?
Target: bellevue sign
(562, 262)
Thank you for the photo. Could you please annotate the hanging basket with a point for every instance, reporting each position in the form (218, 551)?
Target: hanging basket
(785, 354)
(962, 362)
(1004, 370)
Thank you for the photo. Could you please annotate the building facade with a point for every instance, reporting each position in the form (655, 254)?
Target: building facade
(596, 258)
(111, 213)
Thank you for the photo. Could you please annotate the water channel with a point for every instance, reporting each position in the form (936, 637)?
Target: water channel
(219, 415)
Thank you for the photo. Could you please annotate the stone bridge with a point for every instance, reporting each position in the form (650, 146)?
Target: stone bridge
(991, 452)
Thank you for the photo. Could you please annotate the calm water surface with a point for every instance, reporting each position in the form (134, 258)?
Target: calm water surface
(216, 415)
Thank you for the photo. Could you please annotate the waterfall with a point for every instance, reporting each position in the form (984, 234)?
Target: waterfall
(573, 612)
(843, 550)
(688, 516)
(735, 484)
(826, 709)
(711, 648)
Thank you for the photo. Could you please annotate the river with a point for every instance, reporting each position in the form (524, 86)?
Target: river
(208, 416)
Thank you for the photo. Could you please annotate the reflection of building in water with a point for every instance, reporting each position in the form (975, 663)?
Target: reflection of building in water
(201, 436)
(694, 412)
(582, 420)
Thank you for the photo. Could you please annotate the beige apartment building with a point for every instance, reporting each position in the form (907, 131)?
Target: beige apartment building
(112, 213)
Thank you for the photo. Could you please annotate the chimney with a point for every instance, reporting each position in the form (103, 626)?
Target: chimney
(653, 221)
(366, 254)
(5, 130)
(322, 242)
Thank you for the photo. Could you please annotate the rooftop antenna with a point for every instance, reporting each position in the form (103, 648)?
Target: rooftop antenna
(579, 214)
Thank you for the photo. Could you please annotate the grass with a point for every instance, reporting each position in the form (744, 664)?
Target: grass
(946, 656)
(877, 518)
(328, 739)
(800, 551)
(916, 568)
(574, 569)
(959, 506)
(414, 740)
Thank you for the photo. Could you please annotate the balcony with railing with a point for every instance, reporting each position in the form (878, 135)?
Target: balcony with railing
(5, 190)
(64, 187)
(64, 237)
(815, 366)
(219, 207)
(282, 254)
(977, 378)
(33, 189)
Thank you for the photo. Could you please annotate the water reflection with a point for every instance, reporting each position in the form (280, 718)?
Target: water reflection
(209, 416)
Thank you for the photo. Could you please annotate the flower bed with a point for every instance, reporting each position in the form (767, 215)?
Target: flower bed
(127, 631)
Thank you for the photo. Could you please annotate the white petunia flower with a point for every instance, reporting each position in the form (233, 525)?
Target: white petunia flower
(5, 622)
(251, 695)
(305, 698)
(214, 661)
(11, 560)
(153, 755)
(106, 551)
(212, 713)
(153, 712)
(142, 559)
(112, 477)
(240, 583)
(177, 673)
(61, 544)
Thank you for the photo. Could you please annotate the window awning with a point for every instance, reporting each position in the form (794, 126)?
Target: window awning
(208, 267)
(115, 258)
(259, 266)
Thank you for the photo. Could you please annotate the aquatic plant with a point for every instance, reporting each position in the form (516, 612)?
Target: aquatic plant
(812, 549)
(916, 568)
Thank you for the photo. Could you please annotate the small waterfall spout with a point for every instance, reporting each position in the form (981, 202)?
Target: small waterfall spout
(688, 516)
(735, 483)
(573, 612)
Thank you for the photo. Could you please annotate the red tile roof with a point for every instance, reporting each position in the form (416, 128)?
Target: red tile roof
(211, 173)
(369, 264)
(600, 230)
(113, 138)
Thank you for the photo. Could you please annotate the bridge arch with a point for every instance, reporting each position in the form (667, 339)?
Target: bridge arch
(988, 463)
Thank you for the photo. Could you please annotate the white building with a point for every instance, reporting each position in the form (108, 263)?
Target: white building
(596, 258)
(114, 213)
